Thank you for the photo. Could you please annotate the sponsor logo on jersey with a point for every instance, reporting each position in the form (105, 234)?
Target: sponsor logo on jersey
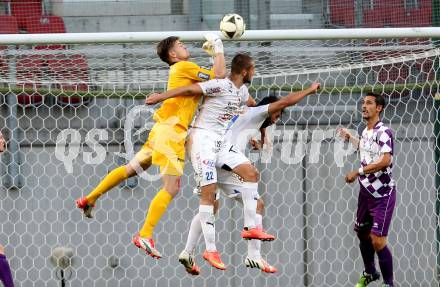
(214, 90)
(218, 146)
(203, 76)
(209, 163)
(225, 117)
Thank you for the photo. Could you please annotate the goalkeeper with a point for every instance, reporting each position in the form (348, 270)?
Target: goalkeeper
(165, 146)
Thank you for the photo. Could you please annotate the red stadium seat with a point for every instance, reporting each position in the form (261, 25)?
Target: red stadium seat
(419, 17)
(8, 25)
(23, 9)
(393, 16)
(384, 17)
(71, 71)
(29, 72)
(46, 24)
(342, 13)
(4, 69)
(387, 4)
(372, 19)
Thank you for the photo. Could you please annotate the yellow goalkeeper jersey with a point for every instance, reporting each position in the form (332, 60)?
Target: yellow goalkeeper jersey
(181, 74)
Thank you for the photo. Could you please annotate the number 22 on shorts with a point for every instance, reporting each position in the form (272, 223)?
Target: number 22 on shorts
(209, 175)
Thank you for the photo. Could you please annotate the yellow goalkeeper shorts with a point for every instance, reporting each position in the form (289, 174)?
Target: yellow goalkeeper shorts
(166, 144)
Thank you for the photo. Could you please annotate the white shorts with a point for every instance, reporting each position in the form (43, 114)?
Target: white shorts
(230, 157)
(203, 147)
(230, 178)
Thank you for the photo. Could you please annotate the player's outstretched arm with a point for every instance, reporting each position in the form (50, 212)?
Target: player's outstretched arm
(382, 163)
(191, 90)
(214, 47)
(219, 66)
(292, 98)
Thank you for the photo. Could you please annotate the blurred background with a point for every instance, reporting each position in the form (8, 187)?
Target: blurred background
(75, 16)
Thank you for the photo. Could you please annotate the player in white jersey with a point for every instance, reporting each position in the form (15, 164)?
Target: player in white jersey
(246, 125)
(221, 103)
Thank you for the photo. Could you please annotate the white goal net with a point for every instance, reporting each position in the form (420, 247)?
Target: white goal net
(64, 108)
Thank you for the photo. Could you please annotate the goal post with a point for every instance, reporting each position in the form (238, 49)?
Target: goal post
(72, 110)
(250, 35)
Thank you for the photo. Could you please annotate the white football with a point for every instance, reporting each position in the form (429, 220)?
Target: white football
(232, 26)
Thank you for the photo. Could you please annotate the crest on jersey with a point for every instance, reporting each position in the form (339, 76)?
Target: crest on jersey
(203, 76)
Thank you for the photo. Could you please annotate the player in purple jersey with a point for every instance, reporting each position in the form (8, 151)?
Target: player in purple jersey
(377, 195)
(5, 271)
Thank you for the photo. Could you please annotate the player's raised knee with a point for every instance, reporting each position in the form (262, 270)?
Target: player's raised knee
(171, 184)
(251, 174)
(379, 242)
(254, 175)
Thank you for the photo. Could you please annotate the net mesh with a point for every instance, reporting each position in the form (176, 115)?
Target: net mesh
(64, 109)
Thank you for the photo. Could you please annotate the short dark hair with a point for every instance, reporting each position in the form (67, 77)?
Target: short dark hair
(164, 46)
(380, 100)
(265, 101)
(241, 62)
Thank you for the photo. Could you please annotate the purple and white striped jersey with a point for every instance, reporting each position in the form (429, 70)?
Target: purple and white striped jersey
(373, 144)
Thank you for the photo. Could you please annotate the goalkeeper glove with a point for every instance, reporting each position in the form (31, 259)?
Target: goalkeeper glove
(213, 44)
(208, 49)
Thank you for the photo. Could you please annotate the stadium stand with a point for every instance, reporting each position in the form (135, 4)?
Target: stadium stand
(71, 71)
(72, 79)
(8, 24)
(390, 13)
(44, 24)
(23, 9)
(342, 13)
(29, 68)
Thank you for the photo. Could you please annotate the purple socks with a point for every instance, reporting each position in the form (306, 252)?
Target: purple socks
(386, 265)
(385, 260)
(367, 252)
(5, 272)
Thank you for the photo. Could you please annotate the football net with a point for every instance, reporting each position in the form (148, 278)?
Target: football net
(73, 112)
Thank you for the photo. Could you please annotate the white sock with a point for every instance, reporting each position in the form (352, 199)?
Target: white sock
(259, 223)
(249, 205)
(207, 219)
(254, 246)
(259, 220)
(195, 232)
